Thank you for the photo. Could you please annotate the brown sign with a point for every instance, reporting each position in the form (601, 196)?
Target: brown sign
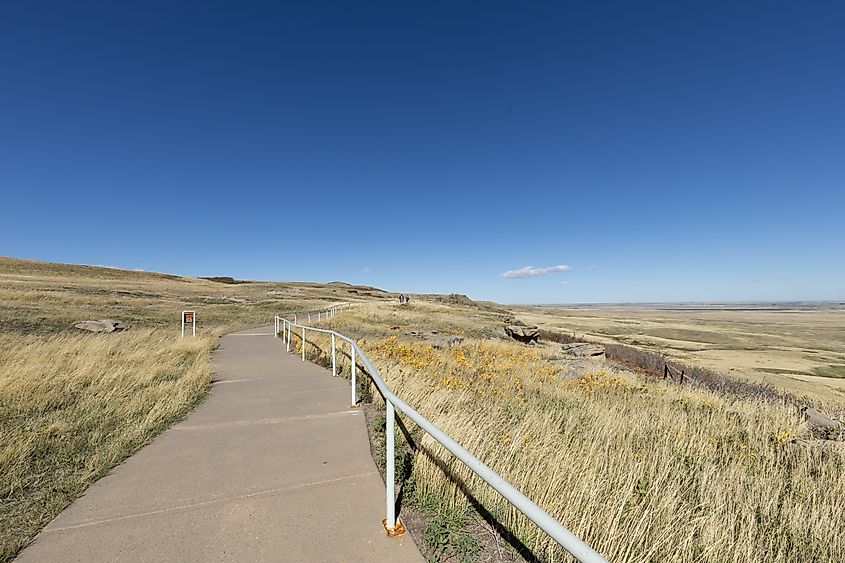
(189, 318)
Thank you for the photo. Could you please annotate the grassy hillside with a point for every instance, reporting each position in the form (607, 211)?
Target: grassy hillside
(641, 469)
(74, 404)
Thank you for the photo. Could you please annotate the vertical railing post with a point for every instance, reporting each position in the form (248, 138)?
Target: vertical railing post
(389, 470)
(334, 358)
(303, 344)
(309, 317)
(354, 399)
(289, 335)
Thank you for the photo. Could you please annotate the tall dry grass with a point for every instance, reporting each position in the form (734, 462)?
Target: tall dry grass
(73, 405)
(641, 470)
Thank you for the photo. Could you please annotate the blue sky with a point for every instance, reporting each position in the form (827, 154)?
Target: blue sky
(661, 151)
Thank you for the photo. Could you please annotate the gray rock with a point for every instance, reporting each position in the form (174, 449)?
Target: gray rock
(830, 447)
(823, 426)
(526, 334)
(105, 325)
(583, 349)
(444, 342)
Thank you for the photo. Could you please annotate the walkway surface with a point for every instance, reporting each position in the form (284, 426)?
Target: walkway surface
(274, 466)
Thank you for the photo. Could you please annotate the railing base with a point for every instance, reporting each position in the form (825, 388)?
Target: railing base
(397, 530)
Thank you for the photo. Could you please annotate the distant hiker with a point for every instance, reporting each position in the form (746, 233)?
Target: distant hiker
(401, 298)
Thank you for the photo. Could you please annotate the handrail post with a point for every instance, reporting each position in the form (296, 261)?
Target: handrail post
(334, 358)
(389, 470)
(303, 344)
(289, 335)
(309, 317)
(354, 400)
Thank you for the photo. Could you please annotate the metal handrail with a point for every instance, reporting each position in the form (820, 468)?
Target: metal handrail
(567, 540)
(331, 311)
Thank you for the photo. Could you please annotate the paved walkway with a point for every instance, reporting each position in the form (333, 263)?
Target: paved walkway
(274, 466)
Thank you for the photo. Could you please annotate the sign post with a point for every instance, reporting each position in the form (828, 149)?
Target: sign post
(189, 318)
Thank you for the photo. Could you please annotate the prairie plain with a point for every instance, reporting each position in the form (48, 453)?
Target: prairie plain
(797, 347)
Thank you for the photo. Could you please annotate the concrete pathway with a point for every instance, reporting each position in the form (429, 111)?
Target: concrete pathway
(274, 466)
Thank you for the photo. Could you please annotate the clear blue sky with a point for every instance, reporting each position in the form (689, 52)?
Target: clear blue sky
(662, 151)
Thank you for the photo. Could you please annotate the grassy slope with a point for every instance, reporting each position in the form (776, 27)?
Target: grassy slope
(73, 404)
(640, 469)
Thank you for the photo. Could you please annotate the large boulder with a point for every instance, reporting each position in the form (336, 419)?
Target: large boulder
(583, 349)
(526, 334)
(822, 426)
(105, 325)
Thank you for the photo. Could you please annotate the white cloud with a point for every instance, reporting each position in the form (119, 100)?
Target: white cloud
(532, 272)
(365, 270)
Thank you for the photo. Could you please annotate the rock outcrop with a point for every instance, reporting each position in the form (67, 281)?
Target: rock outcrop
(526, 334)
(822, 426)
(583, 349)
(105, 325)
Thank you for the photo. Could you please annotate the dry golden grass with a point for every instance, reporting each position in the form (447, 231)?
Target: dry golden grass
(73, 404)
(641, 470)
(39, 297)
